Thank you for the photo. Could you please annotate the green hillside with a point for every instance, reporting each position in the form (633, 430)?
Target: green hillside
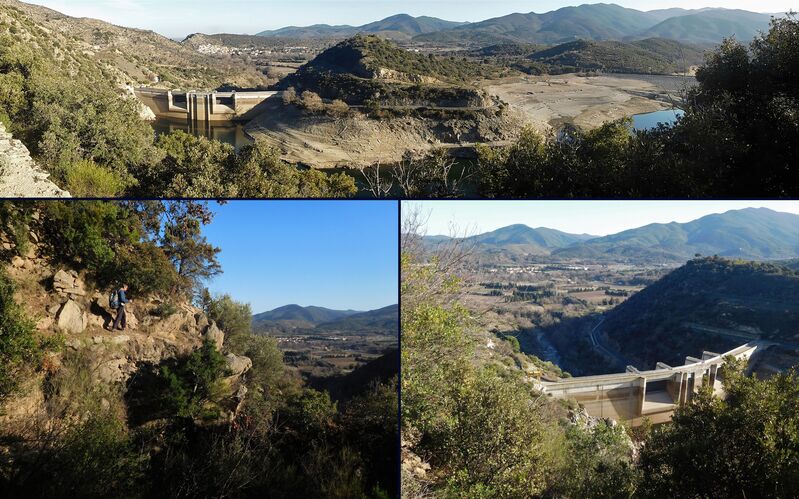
(752, 233)
(651, 56)
(710, 26)
(606, 22)
(734, 295)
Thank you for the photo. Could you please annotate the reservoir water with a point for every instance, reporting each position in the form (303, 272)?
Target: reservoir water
(223, 131)
(650, 120)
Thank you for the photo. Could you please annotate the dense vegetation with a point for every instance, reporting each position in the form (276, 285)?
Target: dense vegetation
(737, 138)
(653, 56)
(727, 294)
(161, 434)
(486, 432)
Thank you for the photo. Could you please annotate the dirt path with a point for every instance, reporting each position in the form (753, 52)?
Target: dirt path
(550, 101)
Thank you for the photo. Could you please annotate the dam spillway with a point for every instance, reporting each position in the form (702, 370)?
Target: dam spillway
(204, 106)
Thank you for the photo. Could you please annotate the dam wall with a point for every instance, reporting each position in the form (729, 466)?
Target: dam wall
(203, 106)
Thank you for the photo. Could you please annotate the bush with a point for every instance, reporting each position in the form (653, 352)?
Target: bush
(88, 179)
(312, 102)
(338, 108)
(289, 96)
(18, 345)
(194, 382)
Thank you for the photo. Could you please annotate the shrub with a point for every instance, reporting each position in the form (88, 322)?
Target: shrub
(338, 108)
(18, 345)
(312, 102)
(88, 179)
(289, 96)
(194, 382)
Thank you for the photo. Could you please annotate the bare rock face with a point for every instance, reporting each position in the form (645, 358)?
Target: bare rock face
(20, 176)
(71, 318)
(238, 364)
(68, 283)
(215, 335)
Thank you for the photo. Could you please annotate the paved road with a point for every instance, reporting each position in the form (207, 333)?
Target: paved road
(595, 336)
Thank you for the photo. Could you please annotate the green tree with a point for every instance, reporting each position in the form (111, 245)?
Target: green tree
(746, 445)
(18, 345)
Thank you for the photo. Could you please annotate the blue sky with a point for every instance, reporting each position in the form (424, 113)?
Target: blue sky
(178, 18)
(334, 254)
(598, 218)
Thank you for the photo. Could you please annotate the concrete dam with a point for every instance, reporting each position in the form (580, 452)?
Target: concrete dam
(634, 395)
(204, 106)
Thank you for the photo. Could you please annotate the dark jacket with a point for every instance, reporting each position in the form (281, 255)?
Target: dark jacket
(122, 298)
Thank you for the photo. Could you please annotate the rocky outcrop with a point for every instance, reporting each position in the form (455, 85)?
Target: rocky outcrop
(20, 176)
(70, 318)
(215, 335)
(67, 282)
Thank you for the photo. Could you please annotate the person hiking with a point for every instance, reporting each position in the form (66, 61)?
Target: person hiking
(121, 300)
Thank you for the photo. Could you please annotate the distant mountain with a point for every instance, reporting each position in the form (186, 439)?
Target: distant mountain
(691, 308)
(382, 319)
(606, 22)
(400, 26)
(320, 319)
(751, 233)
(710, 26)
(298, 316)
(515, 241)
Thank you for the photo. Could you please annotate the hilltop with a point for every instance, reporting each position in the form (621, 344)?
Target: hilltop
(370, 68)
(707, 304)
(400, 26)
(751, 233)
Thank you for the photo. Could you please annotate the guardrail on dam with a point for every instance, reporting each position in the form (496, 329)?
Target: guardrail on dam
(203, 106)
(634, 395)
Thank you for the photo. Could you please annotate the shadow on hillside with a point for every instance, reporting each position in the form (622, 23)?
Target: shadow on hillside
(567, 344)
(146, 393)
(97, 309)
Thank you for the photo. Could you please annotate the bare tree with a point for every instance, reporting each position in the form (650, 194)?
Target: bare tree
(429, 175)
(375, 184)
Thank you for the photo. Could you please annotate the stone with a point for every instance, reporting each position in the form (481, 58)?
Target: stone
(70, 318)
(53, 309)
(73, 343)
(131, 322)
(215, 335)
(238, 364)
(7, 246)
(113, 371)
(17, 262)
(62, 279)
(44, 323)
(119, 339)
(202, 321)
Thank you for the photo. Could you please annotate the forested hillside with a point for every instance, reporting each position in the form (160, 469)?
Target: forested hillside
(678, 314)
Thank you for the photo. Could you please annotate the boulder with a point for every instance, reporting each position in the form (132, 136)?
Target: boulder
(238, 364)
(215, 335)
(70, 318)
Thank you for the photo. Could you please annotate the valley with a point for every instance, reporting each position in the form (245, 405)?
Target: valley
(321, 343)
(594, 305)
